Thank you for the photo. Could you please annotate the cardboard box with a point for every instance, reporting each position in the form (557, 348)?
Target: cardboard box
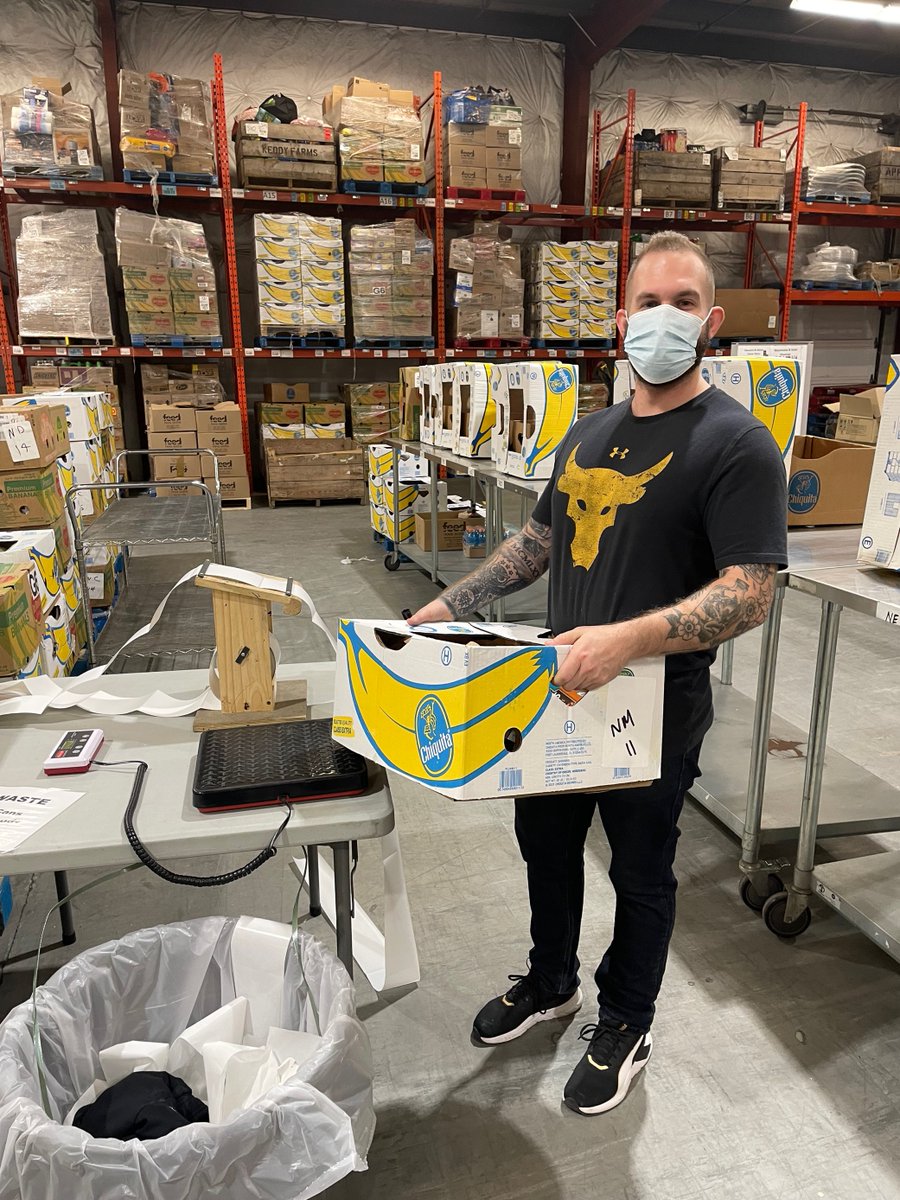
(828, 482)
(198, 324)
(503, 158)
(450, 528)
(474, 410)
(229, 465)
(195, 302)
(286, 393)
(325, 414)
(141, 303)
(30, 499)
(280, 414)
(20, 617)
(32, 437)
(749, 312)
(859, 416)
(466, 154)
(358, 86)
(220, 443)
(879, 544)
(494, 726)
(457, 134)
(503, 179)
(410, 403)
(503, 135)
(769, 387)
(537, 405)
(159, 324)
(183, 386)
(45, 376)
(234, 487)
(223, 418)
(175, 466)
(183, 440)
(163, 418)
(466, 177)
(146, 279)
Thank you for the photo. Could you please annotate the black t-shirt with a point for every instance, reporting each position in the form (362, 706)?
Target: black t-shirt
(647, 510)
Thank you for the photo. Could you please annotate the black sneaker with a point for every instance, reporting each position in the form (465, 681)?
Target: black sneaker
(601, 1080)
(525, 1004)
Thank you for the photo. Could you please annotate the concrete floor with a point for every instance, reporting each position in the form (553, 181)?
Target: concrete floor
(776, 1071)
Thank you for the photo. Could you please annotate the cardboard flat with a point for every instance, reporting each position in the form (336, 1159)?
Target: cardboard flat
(470, 711)
(828, 482)
(879, 544)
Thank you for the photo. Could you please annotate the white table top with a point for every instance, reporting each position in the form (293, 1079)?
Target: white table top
(90, 834)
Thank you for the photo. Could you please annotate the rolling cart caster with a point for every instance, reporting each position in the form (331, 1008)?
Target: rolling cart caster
(391, 562)
(751, 896)
(773, 916)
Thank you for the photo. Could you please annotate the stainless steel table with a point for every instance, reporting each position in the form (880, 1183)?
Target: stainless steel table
(860, 888)
(90, 833)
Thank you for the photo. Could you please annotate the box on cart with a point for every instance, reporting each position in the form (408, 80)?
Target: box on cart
(474, 409)
(879, 544)
(471, 712)
(537, 404)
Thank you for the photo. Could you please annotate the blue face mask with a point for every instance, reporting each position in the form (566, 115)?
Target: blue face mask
(661, 342)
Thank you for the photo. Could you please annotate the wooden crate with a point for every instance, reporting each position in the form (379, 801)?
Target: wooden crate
(748, 177)
(257, 166)
(311, 473)
(663, 178)
(883, 174)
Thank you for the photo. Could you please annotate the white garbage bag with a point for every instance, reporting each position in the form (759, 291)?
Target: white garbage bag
(303, 1137)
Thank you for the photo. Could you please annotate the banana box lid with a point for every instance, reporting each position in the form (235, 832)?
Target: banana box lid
(470, 711)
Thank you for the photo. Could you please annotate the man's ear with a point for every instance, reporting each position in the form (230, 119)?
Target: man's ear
(622, 321)
(715, 319)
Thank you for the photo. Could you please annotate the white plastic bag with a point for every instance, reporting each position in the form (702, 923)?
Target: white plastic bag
(302, 1138)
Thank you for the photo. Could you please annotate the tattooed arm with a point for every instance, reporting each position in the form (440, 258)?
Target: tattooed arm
(735, 602)
(518, 561)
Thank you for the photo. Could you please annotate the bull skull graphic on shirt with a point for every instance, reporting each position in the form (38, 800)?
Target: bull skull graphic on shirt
(595, 495)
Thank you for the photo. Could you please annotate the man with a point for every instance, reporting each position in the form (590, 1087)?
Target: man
(663, 527)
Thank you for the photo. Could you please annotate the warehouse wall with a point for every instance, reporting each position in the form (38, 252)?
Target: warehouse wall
(303, 58)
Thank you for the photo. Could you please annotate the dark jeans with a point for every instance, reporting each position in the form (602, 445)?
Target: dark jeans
(642, 830)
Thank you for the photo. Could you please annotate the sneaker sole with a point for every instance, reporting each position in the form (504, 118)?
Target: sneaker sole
(568, 1009)
(633, 1070)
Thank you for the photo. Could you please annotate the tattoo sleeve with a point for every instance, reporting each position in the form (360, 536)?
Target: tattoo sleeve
(737, 601)
(517, 562)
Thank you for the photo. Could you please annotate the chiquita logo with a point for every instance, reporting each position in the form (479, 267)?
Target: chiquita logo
(433, 736)
(775, 387)
(560, 380)
(803, 491)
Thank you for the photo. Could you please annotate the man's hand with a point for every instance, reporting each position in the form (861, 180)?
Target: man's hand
(437, 610)
(598, 654)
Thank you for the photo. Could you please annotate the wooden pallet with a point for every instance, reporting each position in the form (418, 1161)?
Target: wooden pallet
(293, 497)
(288, 181)
(243, 502)
(467, 193)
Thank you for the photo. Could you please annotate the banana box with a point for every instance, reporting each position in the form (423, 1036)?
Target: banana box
(84, 410)
(20, 618)
(59, 644)
(540, 406)
(471, 712)
(556, 292)
(444, 435)
(381, 462)
(88, 458)
(598, 292)
(599, 272)
(316, 293)
(336, 430)
(329, 274)
(770, 388)
(72, 593)
(474, 410)
(322, 251)
(287, 315)
(559, 331)
(426, 416)
(590, 310)
(268, 225)
(323, 316)
(554, 272)
(599, 252)
(589, 330)
(550, 310)
(879, 544)
(556, 252)
(282, 274)
(286, 250)
(289, 432)
(279, 293)
(329, 229)
(383, 522)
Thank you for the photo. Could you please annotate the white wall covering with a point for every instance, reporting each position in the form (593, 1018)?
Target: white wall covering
(303, 58)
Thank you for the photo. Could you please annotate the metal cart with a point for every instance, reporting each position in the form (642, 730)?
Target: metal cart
(144, 519)
(864, 890)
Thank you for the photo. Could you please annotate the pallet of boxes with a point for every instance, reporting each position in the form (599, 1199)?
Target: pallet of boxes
(483, 146)
(104, 422)
(670, 178)
(50, 441)
(749, 177)
(391, 281)
(166, 124)
(62, 278)
(307, 453)
(379, 134)
(300, 279)
(271, 154)
(487, 288)
(374, 411)
(44, 134)
(883, 174)
(193, 432)
(571, 292)
(168, 280)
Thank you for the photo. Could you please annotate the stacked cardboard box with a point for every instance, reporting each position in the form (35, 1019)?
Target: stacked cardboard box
(409, 414)
(374, 410)
(168, 278)
(166, 125)
(20, 620)
(571, 293)
(299, 274)
(393, 508)
(380, 134)
(486, 155)
(89, 377)
(488, 289)
(879, 545)
(883, 174)
(36, 453)
(104, 581)
(44, 134)
(307, 455)
(302, 154)
(664, 178)
(749, 177)
(62, 277)
(536, 406)
(391, 267)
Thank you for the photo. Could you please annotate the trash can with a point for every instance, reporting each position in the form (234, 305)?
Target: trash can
(300, 1139)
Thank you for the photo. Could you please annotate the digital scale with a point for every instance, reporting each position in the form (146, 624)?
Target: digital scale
(74, 752)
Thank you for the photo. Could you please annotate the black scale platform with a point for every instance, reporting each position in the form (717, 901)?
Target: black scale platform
(254, 766)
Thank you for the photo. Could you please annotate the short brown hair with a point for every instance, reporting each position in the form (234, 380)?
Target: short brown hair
(669, 242)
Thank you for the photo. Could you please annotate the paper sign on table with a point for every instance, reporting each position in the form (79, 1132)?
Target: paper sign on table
(23, 811)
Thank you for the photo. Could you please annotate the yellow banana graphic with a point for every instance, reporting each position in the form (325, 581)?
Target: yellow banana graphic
(71, 589)
(280, 251)
(561, 393)
(265, 223)
(279, 273)
(448, 732)
(279, 294)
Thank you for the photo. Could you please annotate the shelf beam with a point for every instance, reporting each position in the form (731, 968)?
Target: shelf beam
(109, 48)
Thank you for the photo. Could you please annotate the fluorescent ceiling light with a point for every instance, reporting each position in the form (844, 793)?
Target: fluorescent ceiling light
(855, 10)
